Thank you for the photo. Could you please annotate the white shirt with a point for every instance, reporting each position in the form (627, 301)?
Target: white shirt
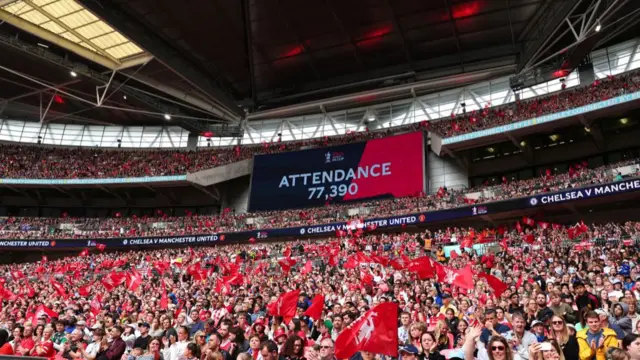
(175, 351)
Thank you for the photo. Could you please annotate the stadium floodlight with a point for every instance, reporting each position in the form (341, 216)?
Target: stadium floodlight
(371, 117)
(598, 27)
(73, 73)
(167, 117)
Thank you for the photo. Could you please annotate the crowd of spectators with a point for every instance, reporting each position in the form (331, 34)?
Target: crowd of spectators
(48, 162)
(42, 162)
(489, 117)
(229, 221)
(533, 297)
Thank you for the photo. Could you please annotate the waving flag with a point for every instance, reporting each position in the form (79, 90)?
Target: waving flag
(375, 331)
(41, 311)
(460, 278)
(101, 247)
(422, 266)
(496, 284)
(85, 290)
(133, 279)
(286, 264)
(84, 253)
(315, 310)
(308, 267)
(285, 306)
(96, 305)
(528, 221)
(58, 288)
(164, 300)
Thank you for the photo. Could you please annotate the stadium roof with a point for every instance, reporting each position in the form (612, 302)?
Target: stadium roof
(67, 23)
(209, 62)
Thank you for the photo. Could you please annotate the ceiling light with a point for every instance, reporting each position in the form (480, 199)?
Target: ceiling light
(554, 137)
(73, 73)
(624, 121)
(598, 27)
(371, 117)
(523, 143)
(167, 117)
(587, 129)
(43, 45)
(124, 97)
(491, 150)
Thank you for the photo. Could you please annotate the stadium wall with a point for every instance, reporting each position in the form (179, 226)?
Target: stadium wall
(445, 172)
(234, 194)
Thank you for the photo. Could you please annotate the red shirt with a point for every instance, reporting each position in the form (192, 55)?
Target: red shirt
(27, 343)
(44, 348)
(6, 349)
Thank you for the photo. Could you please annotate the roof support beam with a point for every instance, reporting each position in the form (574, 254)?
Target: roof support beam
(396, 26)
(164, 52)
(248, 35)
(542, 28)
(306, 52)
(343, 29)
(453, 26)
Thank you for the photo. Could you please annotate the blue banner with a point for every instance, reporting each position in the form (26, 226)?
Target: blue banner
(390, 222)
(543, 119)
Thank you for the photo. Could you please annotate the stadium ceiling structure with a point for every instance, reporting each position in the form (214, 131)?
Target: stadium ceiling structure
(209, 65)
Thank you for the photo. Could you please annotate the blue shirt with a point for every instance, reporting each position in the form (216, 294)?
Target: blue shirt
(499, 328)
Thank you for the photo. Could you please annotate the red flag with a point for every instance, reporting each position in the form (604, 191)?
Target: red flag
(529, 239)
(58, 288)
(422, 266)
(556, 226)
(519, 282)
(351, 263)
(164, 300)
(498, 286)
(85, 290)
(84, 252)
(519, 227)
(17, 275)
(31, 292)
(543, 225)
(453, 255)
(44, 259)
(96, 304)
(366, 278)
(286, 264)
(333, 260)
(376, 331)
(467, 242)
(528, 221)
(308, 267)
(101, 247)
(460, 278)
(286, 305)
(315, 310)
(287, 252)
(133, 280)
(41, 311)
(571, 232)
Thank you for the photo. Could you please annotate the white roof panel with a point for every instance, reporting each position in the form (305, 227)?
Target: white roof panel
(69, 19)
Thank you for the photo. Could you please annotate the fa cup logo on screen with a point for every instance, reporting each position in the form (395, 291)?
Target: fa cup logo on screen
(330, 157)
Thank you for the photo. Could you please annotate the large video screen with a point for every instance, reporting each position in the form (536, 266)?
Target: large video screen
(387, 167)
